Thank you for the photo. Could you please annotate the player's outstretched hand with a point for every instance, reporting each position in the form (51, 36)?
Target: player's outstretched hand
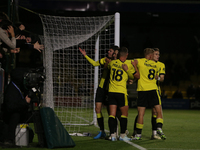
(82, 51)
(125, 67)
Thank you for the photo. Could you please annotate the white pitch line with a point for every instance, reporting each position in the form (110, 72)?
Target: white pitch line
(135, 145)
(172, 149)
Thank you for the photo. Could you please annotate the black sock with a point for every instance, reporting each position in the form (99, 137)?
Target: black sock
(101, 123)
(153, 123)
(112, 124)
(123, 124)
(159, 125)
(116, 123)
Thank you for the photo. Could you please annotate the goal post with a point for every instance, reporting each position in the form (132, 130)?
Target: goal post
(117, 29)
(71, 81)
(96, 73)
(116, 42)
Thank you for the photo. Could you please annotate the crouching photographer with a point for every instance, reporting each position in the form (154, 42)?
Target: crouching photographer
(15, 106)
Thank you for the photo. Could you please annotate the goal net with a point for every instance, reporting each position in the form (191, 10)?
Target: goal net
(71, 81)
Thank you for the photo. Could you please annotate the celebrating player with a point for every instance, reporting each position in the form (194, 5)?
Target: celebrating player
(120, 71)
(102, 90)
(148, 92)
(159, 78)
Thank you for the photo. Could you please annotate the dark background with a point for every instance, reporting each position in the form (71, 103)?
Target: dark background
(171, 25)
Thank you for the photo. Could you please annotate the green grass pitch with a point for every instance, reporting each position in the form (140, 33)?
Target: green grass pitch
(181, 128)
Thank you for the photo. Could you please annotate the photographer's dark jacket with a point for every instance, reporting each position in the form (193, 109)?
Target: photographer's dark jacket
(14, 100)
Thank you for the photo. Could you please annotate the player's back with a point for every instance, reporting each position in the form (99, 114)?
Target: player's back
(148, 70)
(119, 77)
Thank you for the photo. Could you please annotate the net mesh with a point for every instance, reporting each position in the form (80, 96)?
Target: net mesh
(69, 84)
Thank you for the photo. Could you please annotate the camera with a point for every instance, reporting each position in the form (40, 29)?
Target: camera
(33, 82)
(34, 78)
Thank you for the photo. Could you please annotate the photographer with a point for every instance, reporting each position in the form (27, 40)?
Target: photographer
(15, 106)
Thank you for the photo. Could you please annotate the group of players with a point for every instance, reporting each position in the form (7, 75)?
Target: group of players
(112, 91)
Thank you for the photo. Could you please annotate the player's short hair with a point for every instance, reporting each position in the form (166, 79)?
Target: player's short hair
(148, 51)
(123, 51)
(114, 47)
(156, 49)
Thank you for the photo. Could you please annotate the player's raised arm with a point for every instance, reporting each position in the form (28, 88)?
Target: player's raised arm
(82, 51)
(94, 63)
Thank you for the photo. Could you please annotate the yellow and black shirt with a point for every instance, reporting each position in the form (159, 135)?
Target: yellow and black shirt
(148, 70)
(119, 77)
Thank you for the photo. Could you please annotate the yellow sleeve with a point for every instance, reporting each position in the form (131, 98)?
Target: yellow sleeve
(102, 61)
(94, 63)
(138, 61)
(131, 71)
(162, 69)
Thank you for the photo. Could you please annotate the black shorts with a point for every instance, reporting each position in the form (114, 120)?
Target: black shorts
(148, 98)
(118, 99)
(101, 96)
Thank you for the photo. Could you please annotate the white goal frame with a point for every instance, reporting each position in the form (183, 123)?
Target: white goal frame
(48, 98)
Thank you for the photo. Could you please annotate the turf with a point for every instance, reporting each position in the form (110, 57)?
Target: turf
(180, 126)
